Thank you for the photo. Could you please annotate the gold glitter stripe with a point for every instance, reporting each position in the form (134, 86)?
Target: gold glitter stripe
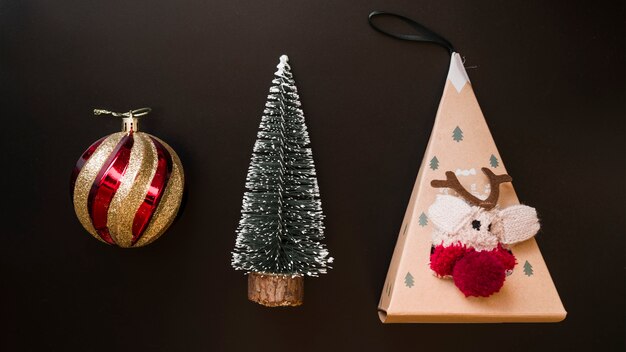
(86, 178)
(165, 212)
(134, 186)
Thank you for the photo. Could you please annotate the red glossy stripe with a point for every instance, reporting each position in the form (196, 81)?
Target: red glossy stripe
(81, 162)
(106, 184)
(153, 197)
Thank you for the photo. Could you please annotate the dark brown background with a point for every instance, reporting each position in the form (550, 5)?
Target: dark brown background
(549, 77)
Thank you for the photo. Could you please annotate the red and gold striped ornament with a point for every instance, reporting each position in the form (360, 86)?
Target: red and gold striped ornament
(127, 187)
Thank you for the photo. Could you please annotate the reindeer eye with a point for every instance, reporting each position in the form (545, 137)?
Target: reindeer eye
(476, 224)
(489, 228)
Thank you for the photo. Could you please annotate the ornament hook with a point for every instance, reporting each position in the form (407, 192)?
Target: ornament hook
(130, 119)
(140, 112)
(132, 113)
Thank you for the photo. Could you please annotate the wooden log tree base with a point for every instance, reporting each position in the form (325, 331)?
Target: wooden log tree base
(275, 290)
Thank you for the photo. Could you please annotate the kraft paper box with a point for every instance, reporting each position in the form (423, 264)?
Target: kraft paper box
(461, 142)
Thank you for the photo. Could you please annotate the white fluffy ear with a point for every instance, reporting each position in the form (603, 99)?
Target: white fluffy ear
(449, 213)
(519, 222)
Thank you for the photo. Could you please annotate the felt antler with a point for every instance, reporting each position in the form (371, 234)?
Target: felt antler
(453, 183)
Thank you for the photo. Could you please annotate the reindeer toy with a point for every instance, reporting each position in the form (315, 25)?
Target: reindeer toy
(472, 236)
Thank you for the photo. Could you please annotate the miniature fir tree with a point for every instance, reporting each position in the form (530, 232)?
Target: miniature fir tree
(528, 269)
(493, 161)
(408, 280)
(280, 231)
(434, 163)
(457, 134)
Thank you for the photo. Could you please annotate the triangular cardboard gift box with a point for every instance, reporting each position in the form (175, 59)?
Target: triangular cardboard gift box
(461, 142)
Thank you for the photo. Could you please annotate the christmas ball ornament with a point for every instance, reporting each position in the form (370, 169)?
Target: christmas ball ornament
(127, 187)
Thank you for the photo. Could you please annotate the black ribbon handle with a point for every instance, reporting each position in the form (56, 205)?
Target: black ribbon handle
(423, 34)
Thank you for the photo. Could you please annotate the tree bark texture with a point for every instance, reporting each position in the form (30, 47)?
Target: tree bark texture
(275, 290)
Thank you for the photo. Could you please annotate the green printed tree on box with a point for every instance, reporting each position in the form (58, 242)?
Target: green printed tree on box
(457, 134)
(434, 163)
(528, 269)
(423, 220)
(493, 161)
(408, 280)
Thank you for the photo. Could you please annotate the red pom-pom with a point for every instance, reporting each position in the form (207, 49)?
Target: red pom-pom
(479, 274)
(506, 258)
(443, 259)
